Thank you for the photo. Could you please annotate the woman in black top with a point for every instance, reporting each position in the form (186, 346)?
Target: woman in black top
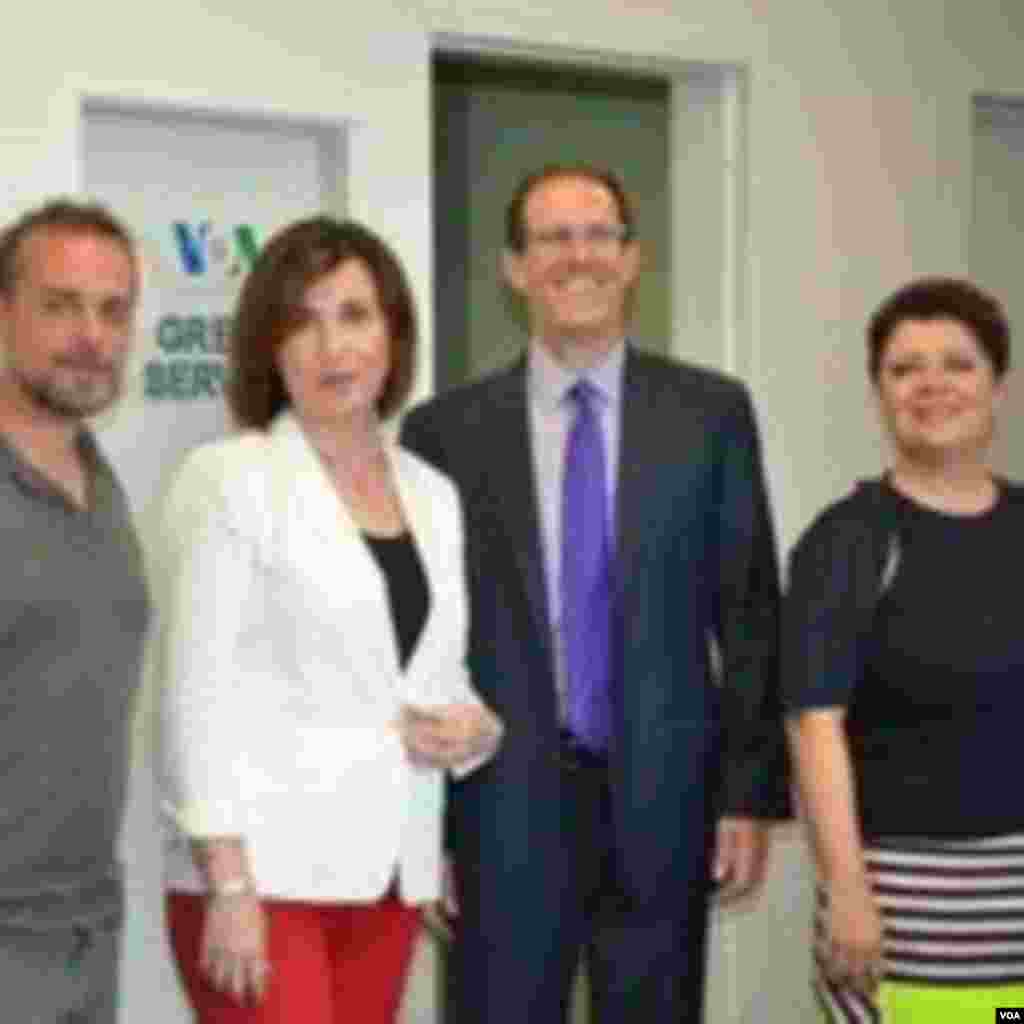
(904, 665)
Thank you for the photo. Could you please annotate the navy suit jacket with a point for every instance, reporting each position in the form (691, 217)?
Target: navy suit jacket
(697, 730)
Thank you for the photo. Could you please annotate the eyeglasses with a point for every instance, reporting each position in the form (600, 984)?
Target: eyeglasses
(600, 237)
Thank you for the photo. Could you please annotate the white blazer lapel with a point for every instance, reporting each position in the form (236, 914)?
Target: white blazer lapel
(319, 533)
(432, 517)
(416, 507)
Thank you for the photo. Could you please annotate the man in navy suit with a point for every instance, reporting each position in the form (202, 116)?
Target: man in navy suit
(624, 602)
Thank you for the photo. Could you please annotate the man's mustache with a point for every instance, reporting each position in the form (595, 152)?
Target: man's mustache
(86, 362)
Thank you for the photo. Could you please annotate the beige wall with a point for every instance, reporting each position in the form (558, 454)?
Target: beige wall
(997, 250)
(858, 175)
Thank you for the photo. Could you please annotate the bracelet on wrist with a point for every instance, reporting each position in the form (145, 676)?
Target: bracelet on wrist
(232, 887)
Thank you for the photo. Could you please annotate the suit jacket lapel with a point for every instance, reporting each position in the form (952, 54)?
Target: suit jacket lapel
(511, 482)
(638, 457)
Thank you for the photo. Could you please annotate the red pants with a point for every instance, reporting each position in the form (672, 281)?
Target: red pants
(330, 963)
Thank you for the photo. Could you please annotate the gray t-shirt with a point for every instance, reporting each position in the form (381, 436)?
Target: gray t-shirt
(73, 613)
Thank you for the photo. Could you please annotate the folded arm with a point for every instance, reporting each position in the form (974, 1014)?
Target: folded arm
(204, 714)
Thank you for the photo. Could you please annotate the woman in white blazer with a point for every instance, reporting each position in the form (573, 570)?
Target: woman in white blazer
(313, 649)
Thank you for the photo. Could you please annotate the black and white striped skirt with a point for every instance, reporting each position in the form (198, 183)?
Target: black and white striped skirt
(953, 925)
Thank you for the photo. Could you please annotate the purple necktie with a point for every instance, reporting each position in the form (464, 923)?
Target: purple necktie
(587, 593)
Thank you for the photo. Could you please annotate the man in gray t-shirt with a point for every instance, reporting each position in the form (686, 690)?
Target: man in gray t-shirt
(73, 611)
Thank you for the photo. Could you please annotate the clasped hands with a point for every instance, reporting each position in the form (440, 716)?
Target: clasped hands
(449, 735)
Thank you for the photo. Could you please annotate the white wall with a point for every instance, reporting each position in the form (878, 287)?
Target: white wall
(859, 176)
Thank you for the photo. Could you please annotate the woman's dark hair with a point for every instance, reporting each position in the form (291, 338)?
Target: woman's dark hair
(942, 298)
(271, 308)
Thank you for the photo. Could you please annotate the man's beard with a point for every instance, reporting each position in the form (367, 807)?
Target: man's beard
(74, 388)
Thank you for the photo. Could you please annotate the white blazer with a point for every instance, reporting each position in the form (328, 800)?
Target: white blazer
(281, 674)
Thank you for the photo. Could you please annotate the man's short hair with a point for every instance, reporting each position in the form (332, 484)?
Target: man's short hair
(58, 215)
(515, 221)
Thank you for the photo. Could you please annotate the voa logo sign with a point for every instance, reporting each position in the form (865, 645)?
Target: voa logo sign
(1009, 1014)
(201, 283)
(204, 249)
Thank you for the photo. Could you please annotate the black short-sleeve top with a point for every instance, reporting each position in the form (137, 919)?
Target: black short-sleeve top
(937, 702)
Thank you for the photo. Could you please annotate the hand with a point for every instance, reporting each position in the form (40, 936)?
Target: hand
(233, 951)
(440, 916)
(741, 855)
(449, 891)
(852, 944)
(444, 737)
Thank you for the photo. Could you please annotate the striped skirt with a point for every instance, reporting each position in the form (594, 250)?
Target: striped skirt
(953, 933)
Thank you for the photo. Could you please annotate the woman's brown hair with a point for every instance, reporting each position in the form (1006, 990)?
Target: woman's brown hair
(271, 308)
